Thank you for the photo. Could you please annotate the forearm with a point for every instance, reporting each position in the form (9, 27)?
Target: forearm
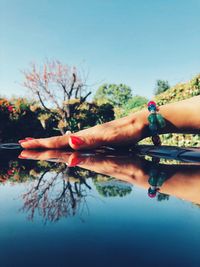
(180, 117)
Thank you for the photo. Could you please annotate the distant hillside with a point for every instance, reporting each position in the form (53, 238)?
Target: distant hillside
(176, 93)
(180, 91)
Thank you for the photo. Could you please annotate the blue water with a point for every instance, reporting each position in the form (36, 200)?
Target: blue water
(133, 230)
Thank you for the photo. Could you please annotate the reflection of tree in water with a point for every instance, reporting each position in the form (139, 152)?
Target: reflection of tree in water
(56, 194)
(55, 191)
(110, 187)
(15, 171)
(162, 196)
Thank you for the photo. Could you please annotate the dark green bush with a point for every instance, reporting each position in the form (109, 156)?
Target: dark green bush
(20, 118)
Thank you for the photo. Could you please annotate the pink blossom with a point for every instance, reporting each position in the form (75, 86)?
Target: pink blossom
(10, 172)
(10, 108)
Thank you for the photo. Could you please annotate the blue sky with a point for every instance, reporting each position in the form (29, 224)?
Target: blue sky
(117, 41)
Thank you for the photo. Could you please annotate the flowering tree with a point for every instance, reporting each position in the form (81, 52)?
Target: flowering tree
(56, 196)
(55, 84)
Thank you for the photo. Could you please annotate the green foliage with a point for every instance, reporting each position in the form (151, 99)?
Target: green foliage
(18, 121)
(162, 196)
(112, 188)
(16, 171)
(174, 94)
(161, 86)
(89, 114)
(115, 94)
(20, 118)
(180, 91)
(136, 101)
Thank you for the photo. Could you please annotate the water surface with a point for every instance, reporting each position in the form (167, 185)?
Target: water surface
(108, 211)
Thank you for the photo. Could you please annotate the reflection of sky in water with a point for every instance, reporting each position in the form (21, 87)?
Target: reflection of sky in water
(132, 230)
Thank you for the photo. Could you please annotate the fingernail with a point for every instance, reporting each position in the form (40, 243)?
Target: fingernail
(29, 138)
(74, 162)
(77, 141)
(21, 141)
(21, 157)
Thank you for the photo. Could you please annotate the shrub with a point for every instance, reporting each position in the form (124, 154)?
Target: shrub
(20, 118)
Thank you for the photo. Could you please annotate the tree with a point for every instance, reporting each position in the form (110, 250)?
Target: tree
(58, 192)
(161, 86)
(113, 188)
(115, 94)
(55, 84)
(136, 101)
(162, 196)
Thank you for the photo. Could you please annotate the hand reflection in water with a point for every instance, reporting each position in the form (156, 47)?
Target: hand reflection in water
(182, 181)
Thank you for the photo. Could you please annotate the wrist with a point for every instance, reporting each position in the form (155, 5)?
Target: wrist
(141, 120)
(180, 117)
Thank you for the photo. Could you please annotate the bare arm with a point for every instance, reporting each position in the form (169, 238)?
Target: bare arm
(181, 117)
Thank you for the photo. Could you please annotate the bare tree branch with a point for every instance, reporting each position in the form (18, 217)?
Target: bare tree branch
(72, 85)
(42, 103)
(83, 99)
(53, 84)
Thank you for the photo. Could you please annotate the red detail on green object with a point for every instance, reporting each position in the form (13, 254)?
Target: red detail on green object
(151, 103)
(152, 195)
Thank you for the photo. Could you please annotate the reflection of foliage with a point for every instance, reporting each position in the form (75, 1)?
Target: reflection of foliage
(19, 171)
(60, 193)
(113, 188)
(196, 205)
(54, 190)
(162, 196)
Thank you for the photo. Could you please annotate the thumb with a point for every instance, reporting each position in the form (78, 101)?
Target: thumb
(80, 142)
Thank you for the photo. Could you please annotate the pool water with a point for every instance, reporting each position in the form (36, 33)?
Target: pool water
(52, 215)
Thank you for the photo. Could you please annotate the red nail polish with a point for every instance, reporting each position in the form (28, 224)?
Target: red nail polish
(21, 141)
(29, 138)
(74, 162)
(76, 141)
(21, 157)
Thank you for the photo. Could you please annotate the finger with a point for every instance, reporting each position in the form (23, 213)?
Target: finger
(93, 137)
(77, 142)
(46, 143)
(29, 154)
(39, 155)
(75, 159)
(51, 155)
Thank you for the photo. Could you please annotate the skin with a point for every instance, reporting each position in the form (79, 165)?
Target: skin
(183, 181)
(180, 117)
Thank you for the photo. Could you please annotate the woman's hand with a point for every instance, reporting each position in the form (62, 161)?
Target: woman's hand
(182, 181)
(181, 117)
(124, 131)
